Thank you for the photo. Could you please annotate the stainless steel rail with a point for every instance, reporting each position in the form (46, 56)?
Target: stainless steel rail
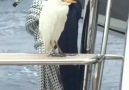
(43, 59)
(91, 35)
(99, 67)
(31, 59)
(113, 57)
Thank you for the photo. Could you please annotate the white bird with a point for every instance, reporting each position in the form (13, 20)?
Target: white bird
(52, 20)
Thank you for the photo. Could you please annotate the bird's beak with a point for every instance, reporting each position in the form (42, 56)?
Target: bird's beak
(70, 1)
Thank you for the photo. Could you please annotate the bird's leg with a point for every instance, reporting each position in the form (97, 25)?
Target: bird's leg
(54, 53)
(59, 50)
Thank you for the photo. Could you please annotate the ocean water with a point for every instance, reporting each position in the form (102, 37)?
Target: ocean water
(15, 39)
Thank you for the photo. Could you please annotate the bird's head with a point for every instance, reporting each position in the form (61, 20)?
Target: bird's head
(70, 1)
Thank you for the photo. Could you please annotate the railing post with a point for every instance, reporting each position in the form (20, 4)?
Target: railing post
(100, 66)
(91, 35)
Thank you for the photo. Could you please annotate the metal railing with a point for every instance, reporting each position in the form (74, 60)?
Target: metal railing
(42, 59)
(100, 67)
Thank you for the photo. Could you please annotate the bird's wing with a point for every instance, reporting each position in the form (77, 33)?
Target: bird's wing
(47, 22)
(60, 24)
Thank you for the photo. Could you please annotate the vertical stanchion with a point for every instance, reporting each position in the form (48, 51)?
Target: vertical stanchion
(125, 71)
(100, 66)
(91, 35)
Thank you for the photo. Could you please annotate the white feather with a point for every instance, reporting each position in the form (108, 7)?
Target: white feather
(52, 21)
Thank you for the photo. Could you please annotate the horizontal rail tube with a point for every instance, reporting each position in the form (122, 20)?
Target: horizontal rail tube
(43, 59)
(113, 57)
